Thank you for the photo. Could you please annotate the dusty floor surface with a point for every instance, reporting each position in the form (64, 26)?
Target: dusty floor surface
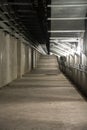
(42, 100)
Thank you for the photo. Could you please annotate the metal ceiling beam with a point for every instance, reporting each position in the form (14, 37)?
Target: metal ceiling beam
(18, 3)
(35, 29)
(60, 48)
(30, 25)
(57, 51)
(72, 2)
(65, 45)
(26, 11)
(79, 18)
(65, 31)
(67, 5)
(65, 40)
(29, 16)
(11, 7)
(12, 27)
(59, 38)
(6, 24)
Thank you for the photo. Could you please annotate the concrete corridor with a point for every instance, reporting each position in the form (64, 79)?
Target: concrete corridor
(42, 100)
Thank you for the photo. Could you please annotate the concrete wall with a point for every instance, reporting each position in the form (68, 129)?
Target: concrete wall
(36, 57)
(15, 58)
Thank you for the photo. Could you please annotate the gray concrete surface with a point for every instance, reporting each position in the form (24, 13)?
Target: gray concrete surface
(42, 100)
(15, 58)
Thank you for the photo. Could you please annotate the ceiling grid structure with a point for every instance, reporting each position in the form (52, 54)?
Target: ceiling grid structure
(30, 17)
(67, 21)
(46, 21)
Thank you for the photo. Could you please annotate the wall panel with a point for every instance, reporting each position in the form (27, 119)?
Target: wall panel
(16, 58)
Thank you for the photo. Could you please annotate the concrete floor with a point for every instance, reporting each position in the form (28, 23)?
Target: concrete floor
(42, 100)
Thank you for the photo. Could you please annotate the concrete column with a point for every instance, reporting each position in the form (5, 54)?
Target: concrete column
(84, 59)
(4, 58)
(34, 59)
(22, 58)
(18, 58)
(30, 59)
(1, 56)
(77, 59)
(26, 58)
(71, 60)
(13, 49)
(8, 58)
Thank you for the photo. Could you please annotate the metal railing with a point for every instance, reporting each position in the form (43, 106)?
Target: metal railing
(79, 67)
